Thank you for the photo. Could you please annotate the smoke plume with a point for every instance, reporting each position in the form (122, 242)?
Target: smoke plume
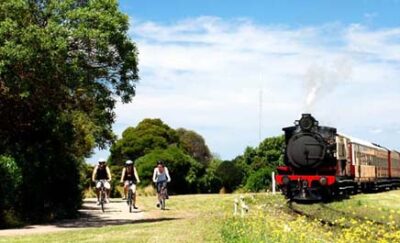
(321, 80)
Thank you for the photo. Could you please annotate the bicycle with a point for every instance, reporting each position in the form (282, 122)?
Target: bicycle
(163, 195)
(131, 195)
(102, 195)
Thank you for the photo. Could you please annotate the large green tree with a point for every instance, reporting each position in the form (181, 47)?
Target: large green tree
(194, 144)
(63, 65)
(183, 169)
(137, 141)
(258, 163)
(267, 154)
(185, 153)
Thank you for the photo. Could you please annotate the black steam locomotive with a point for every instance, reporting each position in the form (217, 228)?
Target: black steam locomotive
(321, 163)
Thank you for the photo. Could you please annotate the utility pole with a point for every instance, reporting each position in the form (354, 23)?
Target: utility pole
(260, 115)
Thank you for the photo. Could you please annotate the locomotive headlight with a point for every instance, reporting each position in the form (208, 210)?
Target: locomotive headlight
(323, 181)
(285, 180)
(307, 122)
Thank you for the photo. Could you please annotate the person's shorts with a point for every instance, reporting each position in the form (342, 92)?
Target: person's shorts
(106, 184)
(132, 187)
(160, 185)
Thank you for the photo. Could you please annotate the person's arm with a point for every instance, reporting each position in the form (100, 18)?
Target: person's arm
(122, 175)
(108, 173)
(94, 173)
(155, 175)
(167, 173)
(136, 174)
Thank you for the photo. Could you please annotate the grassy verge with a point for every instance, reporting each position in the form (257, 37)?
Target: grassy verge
(189, 218)
(363, 218)
(208, 218)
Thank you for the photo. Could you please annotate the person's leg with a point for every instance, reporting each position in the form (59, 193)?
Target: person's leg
(108, 190)
(126, 185)
(158, 185)
(166, 190)
(133, 188)
(98, 192)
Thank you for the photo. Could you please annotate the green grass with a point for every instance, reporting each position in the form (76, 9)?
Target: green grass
(363, 218)
(191, 217)
(377, 207)
(208, 218)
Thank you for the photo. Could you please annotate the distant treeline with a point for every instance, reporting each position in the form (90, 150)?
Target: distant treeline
(192, 167)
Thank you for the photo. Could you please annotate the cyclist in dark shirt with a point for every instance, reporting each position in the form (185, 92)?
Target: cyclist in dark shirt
(129, 173)
(101, 173)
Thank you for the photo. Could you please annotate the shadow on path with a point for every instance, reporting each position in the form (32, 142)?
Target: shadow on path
(94, 221)
(116, 213)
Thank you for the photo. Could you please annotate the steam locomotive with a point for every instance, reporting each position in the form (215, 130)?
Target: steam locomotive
(321, 164)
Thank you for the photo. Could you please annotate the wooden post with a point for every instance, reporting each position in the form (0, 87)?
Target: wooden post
(273, 183)
(235, 206)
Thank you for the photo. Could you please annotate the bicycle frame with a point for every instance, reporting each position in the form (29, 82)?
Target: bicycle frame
(130, 196)
(162, 197)
(102, 191)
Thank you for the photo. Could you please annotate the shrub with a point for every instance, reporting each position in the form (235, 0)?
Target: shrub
(182, 168)
(10, 180)
(260, 180)
(230, 175)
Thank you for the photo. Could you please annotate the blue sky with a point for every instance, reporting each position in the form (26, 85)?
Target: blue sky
(221, 67)
(295, 13)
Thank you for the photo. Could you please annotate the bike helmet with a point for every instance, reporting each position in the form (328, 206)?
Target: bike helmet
(102, 160)
(128, 162)
(160, 162)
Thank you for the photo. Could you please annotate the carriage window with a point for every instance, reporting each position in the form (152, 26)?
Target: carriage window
(341, 150)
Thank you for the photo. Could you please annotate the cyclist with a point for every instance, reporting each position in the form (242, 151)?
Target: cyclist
(161, 178)
(129, 174)
(102, 173)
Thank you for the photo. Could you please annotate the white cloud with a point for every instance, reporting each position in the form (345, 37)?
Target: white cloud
(205, 74)
(376, 130)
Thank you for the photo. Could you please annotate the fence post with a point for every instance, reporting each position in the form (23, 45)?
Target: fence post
(235, 206)
(273, 183)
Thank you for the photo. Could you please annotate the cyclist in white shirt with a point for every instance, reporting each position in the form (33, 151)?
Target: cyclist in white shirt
(160, 177)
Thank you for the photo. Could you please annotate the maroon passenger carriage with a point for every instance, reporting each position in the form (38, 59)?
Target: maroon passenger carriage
(321, 163)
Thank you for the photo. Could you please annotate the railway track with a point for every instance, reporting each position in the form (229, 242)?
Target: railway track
(295, 211)
(298, 212)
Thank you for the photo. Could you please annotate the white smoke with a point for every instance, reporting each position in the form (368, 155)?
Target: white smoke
(320, 80)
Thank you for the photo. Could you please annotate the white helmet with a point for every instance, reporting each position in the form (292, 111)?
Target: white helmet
(128, 162)
(102, 160)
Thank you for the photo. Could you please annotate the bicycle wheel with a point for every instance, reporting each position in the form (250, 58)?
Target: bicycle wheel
(162, 201)
(130, 201)
(102, 200)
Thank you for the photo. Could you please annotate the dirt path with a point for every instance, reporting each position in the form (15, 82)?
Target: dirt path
(116, 213)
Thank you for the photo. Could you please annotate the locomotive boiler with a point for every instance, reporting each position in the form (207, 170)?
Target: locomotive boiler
(321, 163)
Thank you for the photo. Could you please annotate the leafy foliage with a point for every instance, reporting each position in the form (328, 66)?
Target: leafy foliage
(194, 145)
(137, 141)
(259, 180)
(182, 168)
(10, 182)
(230, 175)
(190, 162)
(255, 163)
(62, 66)
(185, 153)
(210, 182)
